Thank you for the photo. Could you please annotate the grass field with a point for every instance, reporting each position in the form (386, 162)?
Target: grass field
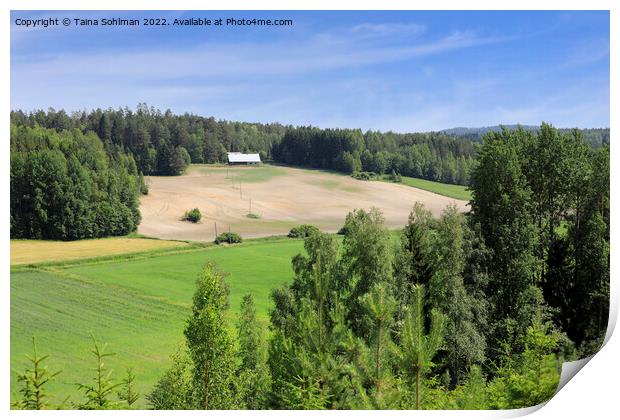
(236, 174)
(24, 251)
(459, 192)
(137, 306)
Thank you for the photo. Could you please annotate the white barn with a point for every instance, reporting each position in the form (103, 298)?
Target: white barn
(237, 158)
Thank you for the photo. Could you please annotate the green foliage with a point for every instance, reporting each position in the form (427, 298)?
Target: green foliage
(303, 231)
(253, 375)
(464, 343)
(173, 391)
(367, 259)
(33, 381)
(128, 394)
(211, 344)
(431, 156)
(228, 238)
(417, 348)
(365, 176)
(102, 387)
(144, 188)
(529, 378)
(395, 177)
(380, 307)
(64, 185)
(160, 142)
(193, 215)
(502, 205)
(541, 200)
(414, 262)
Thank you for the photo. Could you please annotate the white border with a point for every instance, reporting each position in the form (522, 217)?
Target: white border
(592, 393)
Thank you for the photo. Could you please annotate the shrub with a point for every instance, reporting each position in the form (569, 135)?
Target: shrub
(364, 176)
(395, 177)
(343, 230)
(193, 216)
(302, 231)
(142, 186)
(229, 238)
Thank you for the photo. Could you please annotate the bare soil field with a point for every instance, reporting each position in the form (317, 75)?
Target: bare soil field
(281, 197)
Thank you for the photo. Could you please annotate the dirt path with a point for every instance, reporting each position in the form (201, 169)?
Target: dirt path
(282, 197)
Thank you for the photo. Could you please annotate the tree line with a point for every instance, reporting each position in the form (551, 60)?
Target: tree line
(432, 156)
(596, 137)
(163, 143)
(68, 185)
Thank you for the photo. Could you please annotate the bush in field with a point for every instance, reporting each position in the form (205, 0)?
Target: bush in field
(302, 231)
(364, 176)
(228, 238)
(395, 177)
(193, 216)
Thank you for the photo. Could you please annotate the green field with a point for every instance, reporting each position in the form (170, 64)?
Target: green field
(459, 192)
(244, 174)
(138, 306)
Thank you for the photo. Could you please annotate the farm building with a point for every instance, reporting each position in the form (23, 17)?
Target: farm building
(237, 158)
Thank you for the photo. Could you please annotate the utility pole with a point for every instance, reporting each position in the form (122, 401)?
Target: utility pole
(250, 205)
(215, 228)
(240, 193)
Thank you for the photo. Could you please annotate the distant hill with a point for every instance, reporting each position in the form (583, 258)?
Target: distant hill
(597, 137)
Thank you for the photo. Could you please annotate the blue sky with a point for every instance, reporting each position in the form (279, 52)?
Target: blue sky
(400, 71)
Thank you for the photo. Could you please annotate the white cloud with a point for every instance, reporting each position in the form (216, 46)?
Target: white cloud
(389, 29)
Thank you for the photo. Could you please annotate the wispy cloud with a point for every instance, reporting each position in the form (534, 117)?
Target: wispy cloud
(249, 60)
(399, 74)
(389, 29)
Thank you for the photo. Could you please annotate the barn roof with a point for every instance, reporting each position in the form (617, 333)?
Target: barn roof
(236, 157)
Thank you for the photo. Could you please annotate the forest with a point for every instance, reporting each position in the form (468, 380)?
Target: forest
(466, 311)
(66, 185)
(163, 143)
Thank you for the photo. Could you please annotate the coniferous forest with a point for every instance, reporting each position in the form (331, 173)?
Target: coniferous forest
(464, 311)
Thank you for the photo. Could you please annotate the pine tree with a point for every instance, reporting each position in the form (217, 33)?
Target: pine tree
(417, 348)
(380, 307)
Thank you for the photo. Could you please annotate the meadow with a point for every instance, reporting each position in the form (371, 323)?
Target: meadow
(459, 192)
(138, 306)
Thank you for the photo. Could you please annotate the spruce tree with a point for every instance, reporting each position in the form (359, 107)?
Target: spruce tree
(99, 391)
(33, 381)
